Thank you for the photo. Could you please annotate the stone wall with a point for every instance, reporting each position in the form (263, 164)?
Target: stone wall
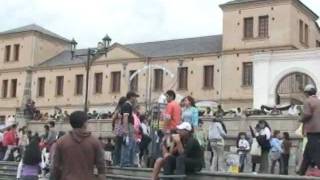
(102, 128)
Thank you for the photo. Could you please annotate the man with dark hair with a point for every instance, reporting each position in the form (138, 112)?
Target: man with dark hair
(128, 147)
(173, 111)
(311, 124)
(181, 153)
(78, 153)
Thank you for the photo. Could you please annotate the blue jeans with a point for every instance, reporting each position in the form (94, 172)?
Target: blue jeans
(242, 161)
(128, 152)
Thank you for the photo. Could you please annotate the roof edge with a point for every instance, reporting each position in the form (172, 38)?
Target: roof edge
(172, 39)
(227, 4)
(49, 33)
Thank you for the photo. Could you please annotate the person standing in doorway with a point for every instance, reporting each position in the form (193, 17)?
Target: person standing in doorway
(78, 153)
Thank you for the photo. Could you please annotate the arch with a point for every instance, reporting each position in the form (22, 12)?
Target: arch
(271, 68)
(285, 73)
(290, 88)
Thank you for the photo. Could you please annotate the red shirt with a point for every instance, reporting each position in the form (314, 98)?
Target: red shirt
(10, 138)
(173, 109)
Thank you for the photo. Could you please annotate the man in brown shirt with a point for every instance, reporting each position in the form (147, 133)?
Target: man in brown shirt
(311, 123)
(78, 153)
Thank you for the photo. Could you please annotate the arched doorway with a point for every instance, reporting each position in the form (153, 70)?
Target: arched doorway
(290, 88)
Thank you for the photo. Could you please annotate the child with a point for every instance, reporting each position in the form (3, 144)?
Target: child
(243, 148)
(286, 146)
(108, 149)
(276, 150)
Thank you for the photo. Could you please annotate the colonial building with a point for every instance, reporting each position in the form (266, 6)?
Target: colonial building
(38, 64)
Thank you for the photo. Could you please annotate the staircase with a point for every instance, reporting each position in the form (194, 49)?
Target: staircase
(116, 173)
(8, 170)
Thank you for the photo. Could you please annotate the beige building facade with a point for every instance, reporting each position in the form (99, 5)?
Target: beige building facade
(36, 63)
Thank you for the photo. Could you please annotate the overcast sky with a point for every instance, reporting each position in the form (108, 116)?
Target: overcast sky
(126, 21)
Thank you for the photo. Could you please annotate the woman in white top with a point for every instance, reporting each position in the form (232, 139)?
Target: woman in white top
(216, 135)
(263, 136)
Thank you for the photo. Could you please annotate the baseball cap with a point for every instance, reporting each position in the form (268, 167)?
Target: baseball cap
(309, 88)
(132, 94)
(185, 126)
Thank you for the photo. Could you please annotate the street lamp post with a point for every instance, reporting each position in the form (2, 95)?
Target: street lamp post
(92, 54)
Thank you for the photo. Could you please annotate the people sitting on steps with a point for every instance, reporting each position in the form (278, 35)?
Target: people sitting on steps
(181, 153)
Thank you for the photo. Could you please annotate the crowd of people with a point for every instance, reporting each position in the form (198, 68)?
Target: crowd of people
(55, 155)
(185, 145)
(184, 141)
(31, 112)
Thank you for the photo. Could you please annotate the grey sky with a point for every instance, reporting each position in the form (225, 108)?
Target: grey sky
(126, 21)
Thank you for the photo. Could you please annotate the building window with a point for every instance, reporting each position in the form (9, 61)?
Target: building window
(317, 43)
(16, 52)
(98, 83)
(14, 84)
(115, 81)
(5, 88)
(7, 53)
(2, 119)
(306, 34)
(59, 85)
(183, 78)
(41, 86)
(79, 84)
(248, 27)
(301, 31)
(263, 26)
(247, 74)
(208, 77)
(158, 80)
(134, 81)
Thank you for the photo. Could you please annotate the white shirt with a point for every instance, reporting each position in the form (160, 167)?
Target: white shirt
(243, 145)
(293, 111)
(265, 132)
(216, 131)
(145, 129)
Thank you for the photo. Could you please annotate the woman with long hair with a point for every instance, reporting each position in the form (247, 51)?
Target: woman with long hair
(217, 133)
(117, 127)
(31, 161)
(263, 138)
(190, 113)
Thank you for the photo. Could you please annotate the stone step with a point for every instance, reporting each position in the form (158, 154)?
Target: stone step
(125, 177)
(204, 175)
(140, 172)
(8, 170)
